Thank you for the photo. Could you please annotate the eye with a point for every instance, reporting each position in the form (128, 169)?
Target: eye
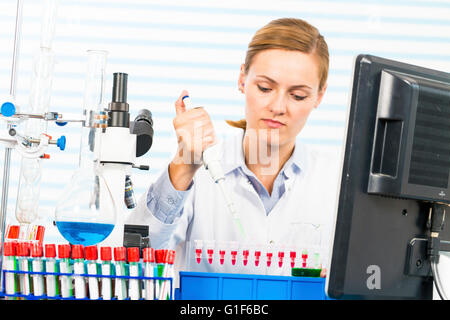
(263, 89)
(299, 98)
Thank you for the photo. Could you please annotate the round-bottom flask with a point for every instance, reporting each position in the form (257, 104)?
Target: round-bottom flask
(79, 217)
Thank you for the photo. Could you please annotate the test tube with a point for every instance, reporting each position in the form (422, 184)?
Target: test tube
(78, 268)
(269, 255)
(169, 259)
(280, 258)
(10, 265)
(133, 262)
(149, 269)
(64, 267)
(91, 257)
(233, 252)
(304, 258)
(50, 267)
(245, 254)
(210, 250)
(159, 257)
(292, 255)
(120, 284)
(23, 253)
(106, 256)
(37, 251)
(198, 244)
(221, 246)
(257, 254)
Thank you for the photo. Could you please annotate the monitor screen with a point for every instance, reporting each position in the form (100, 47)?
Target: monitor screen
(395, 165)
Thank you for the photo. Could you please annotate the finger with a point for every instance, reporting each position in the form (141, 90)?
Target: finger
(180, 107)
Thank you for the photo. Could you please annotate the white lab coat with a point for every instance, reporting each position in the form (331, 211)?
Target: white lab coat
(309, 198)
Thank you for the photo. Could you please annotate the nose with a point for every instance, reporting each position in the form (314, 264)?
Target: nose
(279, 104)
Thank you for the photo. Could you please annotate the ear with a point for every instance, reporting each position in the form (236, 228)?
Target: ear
(320, 95)
(242, 77)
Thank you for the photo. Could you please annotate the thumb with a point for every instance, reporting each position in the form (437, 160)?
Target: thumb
(180, 107)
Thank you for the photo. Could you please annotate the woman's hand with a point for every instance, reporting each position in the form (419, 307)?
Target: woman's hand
(195, 133)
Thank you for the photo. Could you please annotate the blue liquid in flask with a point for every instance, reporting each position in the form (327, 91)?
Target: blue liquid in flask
(84, 233)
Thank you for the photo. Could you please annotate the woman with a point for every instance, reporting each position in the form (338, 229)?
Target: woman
(281, 188)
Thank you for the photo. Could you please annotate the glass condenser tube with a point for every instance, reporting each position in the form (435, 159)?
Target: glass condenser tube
(39, 101)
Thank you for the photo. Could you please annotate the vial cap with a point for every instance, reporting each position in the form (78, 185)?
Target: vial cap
(148, 254)
(23, 249)
(37, 250)
(91, 252)
(105, 253)
(160, 254)
(77, 251)
(13, 232)
(170, 258)
(40, 233)
(64, 251)
(50, 250)
(9, 249)
(133, 254)
(119, 253)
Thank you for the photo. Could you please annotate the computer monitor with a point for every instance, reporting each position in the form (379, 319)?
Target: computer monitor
(396, 164)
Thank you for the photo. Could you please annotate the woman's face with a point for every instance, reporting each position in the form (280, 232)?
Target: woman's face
(281, 89)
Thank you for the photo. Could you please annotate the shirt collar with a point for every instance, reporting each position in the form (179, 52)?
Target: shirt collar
(233, 156)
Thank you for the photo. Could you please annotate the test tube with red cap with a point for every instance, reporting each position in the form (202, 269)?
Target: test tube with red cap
(169, 259)
(304, 258)
(23, 254)
(221, 246)
(64, 267)
(37, 252)
(12, 233)
(160, 255)
(198, 244)
(51, 284)
(280, 257)
(257, 254)
(269, 255)
(210, 244)
(10, 264)
(120, 285)
(91, 253)
(134, 290)
(78, 269)
(292, 255)
(106, 257)
(245, 254)
(234, 252)
(149, 271)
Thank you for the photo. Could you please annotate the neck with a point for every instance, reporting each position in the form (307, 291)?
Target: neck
(266, 160)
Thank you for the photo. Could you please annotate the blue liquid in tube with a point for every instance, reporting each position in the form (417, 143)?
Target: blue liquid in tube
(84, 233)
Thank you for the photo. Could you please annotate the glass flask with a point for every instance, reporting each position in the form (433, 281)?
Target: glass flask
(86, 212)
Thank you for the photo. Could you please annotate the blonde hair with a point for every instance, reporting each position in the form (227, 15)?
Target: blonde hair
(289, 34)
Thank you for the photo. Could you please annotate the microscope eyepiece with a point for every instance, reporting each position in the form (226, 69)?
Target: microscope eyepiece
(118, 108)
(119, 91)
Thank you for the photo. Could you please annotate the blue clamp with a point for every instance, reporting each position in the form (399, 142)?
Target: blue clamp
(61, 143)
(60, 123)
(8, 109)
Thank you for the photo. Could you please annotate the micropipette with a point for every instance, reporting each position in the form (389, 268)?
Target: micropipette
(211, 160)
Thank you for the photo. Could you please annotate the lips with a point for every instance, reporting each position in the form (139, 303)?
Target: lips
(273, 123)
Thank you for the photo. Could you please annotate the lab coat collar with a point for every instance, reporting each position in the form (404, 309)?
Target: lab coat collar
(233, 156)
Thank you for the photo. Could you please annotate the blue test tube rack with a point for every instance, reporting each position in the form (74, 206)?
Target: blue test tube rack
(3, 293)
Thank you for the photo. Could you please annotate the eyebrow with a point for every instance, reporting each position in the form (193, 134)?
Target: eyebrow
(300, 86)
